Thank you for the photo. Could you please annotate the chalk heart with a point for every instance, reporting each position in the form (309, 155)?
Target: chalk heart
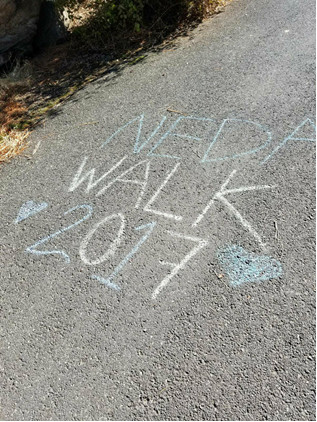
(242, 266)
(28, 209)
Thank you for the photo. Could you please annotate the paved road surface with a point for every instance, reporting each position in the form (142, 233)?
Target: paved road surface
(159, 265)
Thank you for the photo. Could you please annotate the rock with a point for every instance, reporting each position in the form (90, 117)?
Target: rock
(26, 25)
(18, 25)
(51, 29)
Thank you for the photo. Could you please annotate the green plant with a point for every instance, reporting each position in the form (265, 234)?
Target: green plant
(108, 18)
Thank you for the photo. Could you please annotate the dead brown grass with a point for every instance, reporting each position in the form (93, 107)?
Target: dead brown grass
(13, 110)
(12, 143)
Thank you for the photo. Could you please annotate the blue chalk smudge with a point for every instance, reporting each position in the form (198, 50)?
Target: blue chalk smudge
(242, 266)
(28, 209)
(106, 282)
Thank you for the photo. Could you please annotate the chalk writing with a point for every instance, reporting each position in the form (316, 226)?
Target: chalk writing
(126, 259)
(240, 154)
(225, 127)
(295, 136)
(28, 209)
(33, 248)
(156, 194)
(245, 267)
(77, 181)
(158, 141)
(121, 179)
(137, 148)
(176, 267)
(113, 246)
(171, 133)
(106, 282)
(220, 196)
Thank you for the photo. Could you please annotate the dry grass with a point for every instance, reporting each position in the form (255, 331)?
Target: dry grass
(13, 109)
(12, 144)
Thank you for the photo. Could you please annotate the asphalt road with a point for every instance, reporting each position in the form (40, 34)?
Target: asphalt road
(176, 280)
